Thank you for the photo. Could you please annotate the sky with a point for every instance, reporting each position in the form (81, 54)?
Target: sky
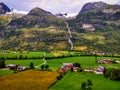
(54, 6)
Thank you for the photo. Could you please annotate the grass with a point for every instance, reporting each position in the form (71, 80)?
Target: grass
(56, 63)
(28, 54)
(26, 63)
(28, 80)
(84, 61)
(72, 81)
(13, 54)
(5, 72)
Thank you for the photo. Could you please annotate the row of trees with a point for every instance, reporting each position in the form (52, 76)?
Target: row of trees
(45, 67)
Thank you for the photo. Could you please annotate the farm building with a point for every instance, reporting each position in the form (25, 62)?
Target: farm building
(14, 66)
(69, 66)
(99, 70)
(106, 61)
(89, 70)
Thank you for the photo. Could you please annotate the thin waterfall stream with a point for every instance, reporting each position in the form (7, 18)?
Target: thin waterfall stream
(70, 36)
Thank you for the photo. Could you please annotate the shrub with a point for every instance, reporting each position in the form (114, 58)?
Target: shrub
(31, 65)
(46, 67)
(59, 77)
(42, 67)
(2, 63)
(86, 85)
(112, 74)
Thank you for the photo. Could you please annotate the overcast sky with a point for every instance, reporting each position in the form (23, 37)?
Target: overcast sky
(54, 6)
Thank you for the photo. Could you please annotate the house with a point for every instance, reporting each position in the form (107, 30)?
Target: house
(107, 61)
(99, 70)
(89, 70)
(20, 67)
(17, 67)
(11, 66)
(69, 66)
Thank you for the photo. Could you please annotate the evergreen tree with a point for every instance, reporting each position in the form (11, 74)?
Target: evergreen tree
(31, 65)
(83, 86)
(47, 67)
(42, 67)
(2, 63)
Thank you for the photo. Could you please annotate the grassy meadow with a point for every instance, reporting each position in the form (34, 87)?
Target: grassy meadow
(72, 81)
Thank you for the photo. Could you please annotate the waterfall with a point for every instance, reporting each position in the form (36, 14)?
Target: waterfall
(70, 36)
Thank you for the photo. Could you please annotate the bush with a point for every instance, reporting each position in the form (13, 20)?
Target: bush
(31, 65)
(42, 67)
(112, 74)
(86, 85)
(2, 63)
(46, 67)
(59, 77)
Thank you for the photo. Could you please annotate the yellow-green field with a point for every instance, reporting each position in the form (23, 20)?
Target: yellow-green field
(28, 80)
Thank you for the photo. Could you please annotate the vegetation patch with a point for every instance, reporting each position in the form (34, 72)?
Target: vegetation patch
(28, 80)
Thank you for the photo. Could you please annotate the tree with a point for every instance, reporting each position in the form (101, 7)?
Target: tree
(31, 65)
(83, 86)
(42, 67)
(86, 85)
(59, 77)
(89, 82)
(47, 67)
(20, 57)
(2, 63)
(71, 69)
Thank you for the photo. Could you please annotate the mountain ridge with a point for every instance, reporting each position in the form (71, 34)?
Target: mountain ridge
(37, 17)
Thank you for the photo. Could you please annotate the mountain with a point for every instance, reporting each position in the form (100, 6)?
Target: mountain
(37, 18)
(4, 8)
(99, 15)
(94, 29)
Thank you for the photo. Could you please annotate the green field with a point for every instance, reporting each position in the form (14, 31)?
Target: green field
(26, 63)
(14, 54)
(72, 81)
(84, 61)
(87, 61)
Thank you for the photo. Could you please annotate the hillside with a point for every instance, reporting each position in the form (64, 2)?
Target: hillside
(100, 15)
(96, 28)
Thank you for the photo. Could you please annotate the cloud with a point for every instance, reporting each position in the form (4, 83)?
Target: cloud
(54, 6)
